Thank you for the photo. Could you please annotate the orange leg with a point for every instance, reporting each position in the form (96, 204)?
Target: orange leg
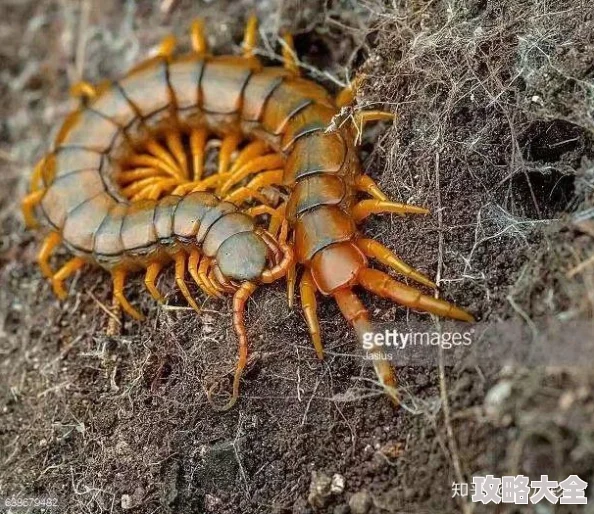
(45, 252)
(239, 302)
(199, 44)
(385, 286)
(356, 314)
(28, 207)
(367, 207)
(378, 251)
(307, 289)
(367, 185)
(197, 147)
(264, 162)
(180, 272)
(198, 267)
(63, 273)
(152, 272)
(119, 281)
(268, 178)
(228, 146)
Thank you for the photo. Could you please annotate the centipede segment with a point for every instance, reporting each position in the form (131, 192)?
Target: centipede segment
(178, 161)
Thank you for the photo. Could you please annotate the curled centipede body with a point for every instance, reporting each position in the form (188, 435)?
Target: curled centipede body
(124, 187)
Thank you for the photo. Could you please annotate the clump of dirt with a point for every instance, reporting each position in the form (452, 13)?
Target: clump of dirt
(494, 134)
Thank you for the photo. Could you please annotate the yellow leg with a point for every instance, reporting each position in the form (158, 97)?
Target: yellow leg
(378, 251)
(367, 185)
(83, 90)
(37, 174)
(45, 252)
(119, 281)
(153, 162)
(249, 152)
(128, 176)
(199, 44)
(194, 265)
(145, 185)
(308, 301)
(364, 117)
(176, 147)
(228, 146)
(165, 157)
(268, 178)
(63, 273)
(347, 95)
(291, 279)
(289, 55)
(180, 272)
(197, 147)
(366, 207)
(250, 37)
(264, 162)
(167, 46)
(152, 271)
(28, 207)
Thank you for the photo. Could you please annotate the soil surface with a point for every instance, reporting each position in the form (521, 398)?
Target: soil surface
(494, 133)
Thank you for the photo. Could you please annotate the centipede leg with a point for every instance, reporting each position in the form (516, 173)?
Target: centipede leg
(239, 302)
(152, 272)
(197, 148)
(265, 162)
(45, 252)
(63, 273)
(347, 95)
(290, 61)
(249, 152)
(196, 269)
(228, 146)
(268, 178)
(385, 286)
(167, 46)
(180, 272)
(250, 37)
(37, 175)
(378, 251)
(168, 162)
(83, 90)
(307, 289)
(119, 281)
(128, 176)
(356, 314)
(364, 117)
(199, 44)
(28, 207)
(176, 146)
(367, 207)
(367, 185)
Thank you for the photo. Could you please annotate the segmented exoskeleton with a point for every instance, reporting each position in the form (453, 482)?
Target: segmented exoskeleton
(124, 186)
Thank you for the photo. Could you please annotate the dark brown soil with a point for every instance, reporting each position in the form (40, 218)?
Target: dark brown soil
(494, 133)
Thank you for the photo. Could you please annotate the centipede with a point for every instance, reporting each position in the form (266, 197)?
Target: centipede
(128, 187)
